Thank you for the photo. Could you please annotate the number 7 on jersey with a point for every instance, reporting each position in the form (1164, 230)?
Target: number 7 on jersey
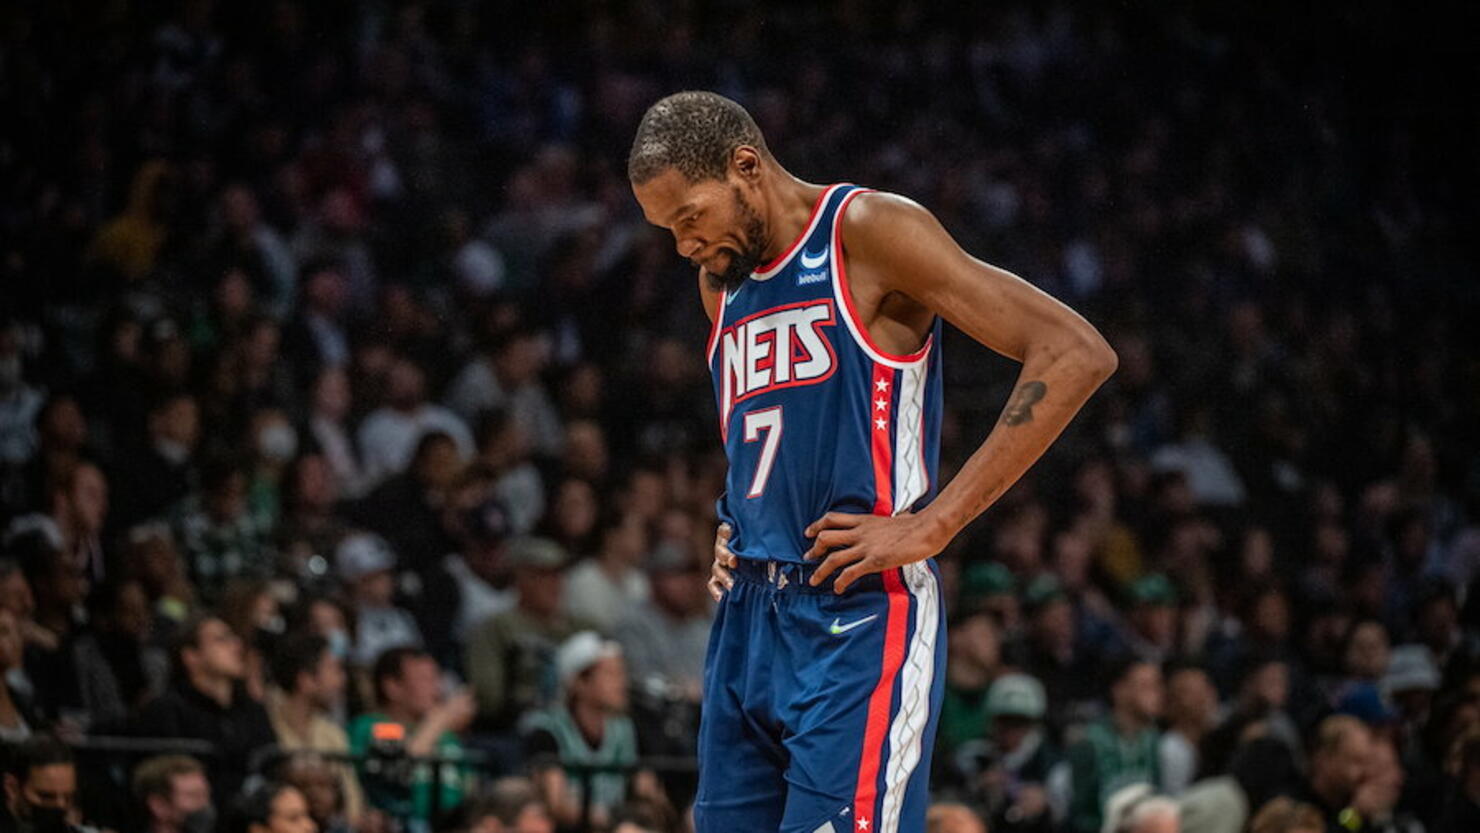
(768, 420)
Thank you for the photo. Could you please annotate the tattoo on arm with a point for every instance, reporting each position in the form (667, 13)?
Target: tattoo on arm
(1020, 405)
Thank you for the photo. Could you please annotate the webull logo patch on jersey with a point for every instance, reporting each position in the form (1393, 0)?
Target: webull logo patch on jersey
(779, 348)
(812, 263)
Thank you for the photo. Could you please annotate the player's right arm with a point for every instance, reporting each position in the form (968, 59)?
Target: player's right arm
(719, 571)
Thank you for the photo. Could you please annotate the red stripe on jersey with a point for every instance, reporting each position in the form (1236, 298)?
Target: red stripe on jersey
(882, 390)
(866, 793)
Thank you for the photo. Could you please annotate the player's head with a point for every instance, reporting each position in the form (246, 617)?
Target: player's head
(697, 166)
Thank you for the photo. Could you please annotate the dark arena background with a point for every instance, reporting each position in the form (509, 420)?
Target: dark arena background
(355, 435)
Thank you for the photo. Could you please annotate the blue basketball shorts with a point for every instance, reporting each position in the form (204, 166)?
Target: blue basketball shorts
(820, 709)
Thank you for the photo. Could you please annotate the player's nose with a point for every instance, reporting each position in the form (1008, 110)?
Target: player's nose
(688, 247)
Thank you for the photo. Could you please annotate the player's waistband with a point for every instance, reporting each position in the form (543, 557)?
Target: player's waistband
(796, 576)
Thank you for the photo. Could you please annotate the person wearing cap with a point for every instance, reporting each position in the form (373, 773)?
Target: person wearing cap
(1410, 682)
(666, 637)
(990, 586)
(1054, 655)
(510, 657)
(1010, 767)
(589, 725)
(1152, 634)
(366, 566)
(479, 571)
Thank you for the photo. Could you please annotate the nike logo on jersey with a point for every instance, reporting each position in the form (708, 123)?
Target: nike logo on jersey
(813, 261)
(835, 628)
(779, 348)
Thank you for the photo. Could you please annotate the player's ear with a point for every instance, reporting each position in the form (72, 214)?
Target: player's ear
(746, 162)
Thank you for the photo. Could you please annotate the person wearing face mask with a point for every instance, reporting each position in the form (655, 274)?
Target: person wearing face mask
(174, 795)
(41, 789)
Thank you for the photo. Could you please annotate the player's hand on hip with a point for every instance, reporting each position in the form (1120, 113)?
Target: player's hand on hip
(862, 544)
(720, 579)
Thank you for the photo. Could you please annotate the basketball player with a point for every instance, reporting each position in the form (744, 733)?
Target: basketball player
(823, 679)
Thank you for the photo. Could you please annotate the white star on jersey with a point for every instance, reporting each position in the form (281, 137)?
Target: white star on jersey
(881, 404)
(881, 423)
(862, 823)
(882, 384)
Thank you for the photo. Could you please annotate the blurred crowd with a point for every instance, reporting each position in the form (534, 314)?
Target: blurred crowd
(352, 421)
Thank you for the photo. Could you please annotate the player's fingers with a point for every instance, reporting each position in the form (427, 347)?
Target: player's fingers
(722, 552)
(829, 539)
(854, 572)
(715, 589)
(834, 520)
(833, 563)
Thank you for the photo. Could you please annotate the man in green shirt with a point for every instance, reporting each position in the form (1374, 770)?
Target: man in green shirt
(414, 719)
(1119, 749)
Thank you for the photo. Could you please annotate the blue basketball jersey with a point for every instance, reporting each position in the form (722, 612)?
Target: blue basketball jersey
(815, 417)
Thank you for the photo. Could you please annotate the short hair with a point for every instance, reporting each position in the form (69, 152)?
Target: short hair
(391, 664)
(36, 752)
(297, 654)
(187, 636)
(156, 776)
(254, 807)
(1283, 813)
(1332, 732)
(694, 131)
(1119, 666)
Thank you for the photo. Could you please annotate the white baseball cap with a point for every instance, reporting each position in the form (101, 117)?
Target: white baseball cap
(582, 651)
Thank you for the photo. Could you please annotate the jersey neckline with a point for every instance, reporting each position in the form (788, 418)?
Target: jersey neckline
(770, 269)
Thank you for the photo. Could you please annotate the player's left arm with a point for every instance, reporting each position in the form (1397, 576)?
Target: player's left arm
(899, 247)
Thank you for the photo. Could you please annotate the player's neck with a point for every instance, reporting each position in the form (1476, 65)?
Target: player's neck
(789, 205)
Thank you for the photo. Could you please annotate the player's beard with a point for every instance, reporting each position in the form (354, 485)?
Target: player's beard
(744, 262)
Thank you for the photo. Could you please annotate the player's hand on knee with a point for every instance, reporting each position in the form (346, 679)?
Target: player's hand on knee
(720, 579)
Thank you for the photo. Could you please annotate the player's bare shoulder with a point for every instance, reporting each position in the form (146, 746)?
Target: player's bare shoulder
(887, 241)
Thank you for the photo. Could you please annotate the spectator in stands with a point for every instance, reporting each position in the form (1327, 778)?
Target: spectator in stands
(19, 402)
(16, 715)
(329, 408)
(1120, 749)
(589, 726)
(510, 805)
(1284, 815)
(389, 436)
(271, 808)
(1138, 809)
(150, 478)
(1462, 805)
(665, 638)
(1008, 771)
(1054, 655)
(480, 572)
(609, 585)
(317, 340)
(151, 556)
(503, 446)
(367, 568)
(507, 377)
(1153, 618)
(309, 680)
(121, 636)
(511, 657)
(953, 818)
(219, 536)
(1376, 799)
(322, 785)
(208, 701)
(413, 717)
(174, 795)
(61, 442)
(1191, 712)
(41, 789)
(311, 527)
(1340, 761)
(406, 509)
(973, 661)
(79, 506)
